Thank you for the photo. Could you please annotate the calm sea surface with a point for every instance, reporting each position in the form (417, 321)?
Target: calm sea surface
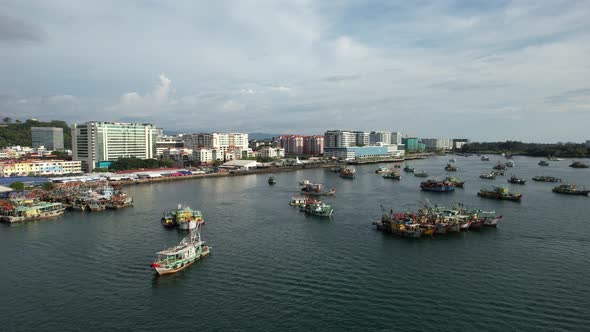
(272, 268)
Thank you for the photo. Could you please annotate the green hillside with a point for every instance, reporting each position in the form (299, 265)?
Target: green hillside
(19, 133)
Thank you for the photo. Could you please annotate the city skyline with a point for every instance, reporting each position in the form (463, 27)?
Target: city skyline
(491, 72)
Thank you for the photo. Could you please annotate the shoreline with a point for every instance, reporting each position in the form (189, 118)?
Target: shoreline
(223, 174)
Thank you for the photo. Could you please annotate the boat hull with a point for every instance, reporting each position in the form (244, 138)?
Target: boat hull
(164, 270)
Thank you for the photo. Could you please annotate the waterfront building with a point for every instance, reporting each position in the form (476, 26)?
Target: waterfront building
(437, 143)
(52, 138)
(39, 167)
(459, 142)
(220, 141)
(302, 145)
(411, 143)
(380, 137)
(396, 138)
(168, 142)
(293, 144)
(239, 165)
(393, 150)
(313, 145)
(362, 138)
(203, 156)
(95, 142)
(271, 152)
(339, 139)
(357, 152)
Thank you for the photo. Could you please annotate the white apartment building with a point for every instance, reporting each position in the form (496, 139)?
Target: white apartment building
(203, 156)
(396, 137)
(339, 139)
(271, 152)
(94, 142)
(221, 141)
(437, 143)
(380, 137)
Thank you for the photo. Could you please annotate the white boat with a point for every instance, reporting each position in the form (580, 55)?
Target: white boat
(297, 201)
(178, 258)
(304, 182)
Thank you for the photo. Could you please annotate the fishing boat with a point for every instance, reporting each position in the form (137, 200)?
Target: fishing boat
(348, 173)
(168, 220)
(497, 173)
(382, 170)
(316, 189)
(297, 201)
(485, 158)
(421, 174)
(508, 155)
(304, 182)
(392, 175)
(29, 209)
(500, 193)
(543, 163)
(464, 224)
(509, 163)
(451, 168)
(499, 166)
(272, 180)
(515, 180)
(186, 218)
(489, 176)
(437, 186)
(475, 223)
(119, 202)
(488, 218)
(455, 181)
(579, 164)
(317, 208)
(570, 189)
(544, 178)
(96, 205)
(408, 169)
(179, 257)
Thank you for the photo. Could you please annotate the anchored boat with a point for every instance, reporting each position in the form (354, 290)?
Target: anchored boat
(515, 180)
(348, 173)
(184, 218)
(316, 189)
(451, 168)
(297, 201)
(421, 174)
(437, 186)
(408, 169)
(272, 180)
(570, 189)
(382, 170)
(317, 208)
(29, 209)
(489, 176)
(543, 178)
(500, 193)
(579, 164)
(392, 175)
(178, 258)
(455, 181)
(543, 163)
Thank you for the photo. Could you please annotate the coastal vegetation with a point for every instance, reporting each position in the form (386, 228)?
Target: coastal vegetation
(572, 150)
(19, 133)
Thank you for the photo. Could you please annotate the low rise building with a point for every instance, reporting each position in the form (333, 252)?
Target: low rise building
(357, 152)
(270, 152)
(239, 165)
(39, 167)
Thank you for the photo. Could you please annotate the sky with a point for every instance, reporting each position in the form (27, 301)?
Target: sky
(485, 70)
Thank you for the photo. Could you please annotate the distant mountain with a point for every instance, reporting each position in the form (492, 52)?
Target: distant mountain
(259, 136)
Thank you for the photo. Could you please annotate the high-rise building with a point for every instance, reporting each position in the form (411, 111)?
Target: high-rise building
(459, 142)
(340, 139)
(313, 145)
(396, 137)
(95, 142)
(362, 138)
(437, 143)
(380, 137)
(293, 144)
(51, 138)
(218, 141)
(411, 143)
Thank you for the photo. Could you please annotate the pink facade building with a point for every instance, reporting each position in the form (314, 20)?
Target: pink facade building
(302, 145)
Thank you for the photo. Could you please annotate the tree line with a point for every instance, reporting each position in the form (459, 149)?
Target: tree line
(19, 133)
(572, 150)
